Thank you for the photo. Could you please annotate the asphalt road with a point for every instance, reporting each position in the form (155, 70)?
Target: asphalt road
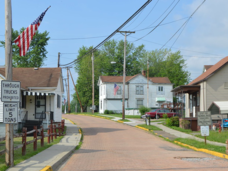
(112, 146)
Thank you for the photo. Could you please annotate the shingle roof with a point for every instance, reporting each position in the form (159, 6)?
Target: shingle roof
(210, 71)
(29, 77)
(119, 79)
(164, 80)
(207, 66)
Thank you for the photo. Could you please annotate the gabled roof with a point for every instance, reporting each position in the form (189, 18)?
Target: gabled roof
(40, 77)
(206, 67)
(164, 80)
(119, 79)
(210, 71)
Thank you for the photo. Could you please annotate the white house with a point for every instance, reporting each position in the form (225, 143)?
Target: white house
(135, 92)
(41, 93)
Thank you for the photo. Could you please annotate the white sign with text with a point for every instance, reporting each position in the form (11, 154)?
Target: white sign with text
(10, 113)
(10, 91)
(204, 130)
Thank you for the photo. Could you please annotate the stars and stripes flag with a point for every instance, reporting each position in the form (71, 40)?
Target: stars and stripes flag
(116, 87)
(24, 39)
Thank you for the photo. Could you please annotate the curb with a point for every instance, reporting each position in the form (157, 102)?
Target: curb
(217, 154)
(142, 128)
(55, 165)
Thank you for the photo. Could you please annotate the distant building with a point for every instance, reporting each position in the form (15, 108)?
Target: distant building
(135, 92)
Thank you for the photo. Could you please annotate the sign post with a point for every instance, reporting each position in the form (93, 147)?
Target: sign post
(204, 121)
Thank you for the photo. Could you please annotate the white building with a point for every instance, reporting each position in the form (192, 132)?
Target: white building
(40, 99)
(135, 92)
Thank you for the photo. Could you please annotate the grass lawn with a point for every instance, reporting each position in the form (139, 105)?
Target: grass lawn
(188, 131)
(216, 136)
(120, 116)
(198, 144)
(124, 120)
(150, 127)
(29, 150)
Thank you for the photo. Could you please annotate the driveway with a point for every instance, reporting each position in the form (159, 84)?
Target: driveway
(109, 145)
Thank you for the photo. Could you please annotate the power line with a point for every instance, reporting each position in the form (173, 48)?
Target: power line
(77, 38)
(183, 24)
(126, 22)
(159, 22)
(147, 15)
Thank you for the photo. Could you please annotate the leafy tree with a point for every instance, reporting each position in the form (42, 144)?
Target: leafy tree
(110, 51)
(36, 53)
(164, 63)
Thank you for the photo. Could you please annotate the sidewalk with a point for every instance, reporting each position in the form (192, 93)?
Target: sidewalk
(173, 132)
(55, 155)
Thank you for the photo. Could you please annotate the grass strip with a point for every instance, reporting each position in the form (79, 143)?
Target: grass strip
(123, 120)
(81, 140)
(18, 158)
(201, 145)
(216, 136)
(150, 127)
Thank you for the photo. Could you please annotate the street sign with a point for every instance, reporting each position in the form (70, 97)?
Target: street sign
(204, 130)
(10, 113)
(10, 91)
(204, 118)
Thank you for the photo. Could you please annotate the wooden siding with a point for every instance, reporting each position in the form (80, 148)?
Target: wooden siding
(215, 87)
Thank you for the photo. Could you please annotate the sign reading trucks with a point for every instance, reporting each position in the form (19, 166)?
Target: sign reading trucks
(10, 91)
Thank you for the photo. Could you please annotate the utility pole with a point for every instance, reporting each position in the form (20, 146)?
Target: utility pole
(9, 155)
(68, 92)
(92, 83)
(147, 80)
(124, 68)
(77, 93)
(58, 59)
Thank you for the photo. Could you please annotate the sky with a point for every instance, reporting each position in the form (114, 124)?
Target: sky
(75, 23)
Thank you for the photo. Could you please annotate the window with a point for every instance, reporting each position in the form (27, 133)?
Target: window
(139, 103)
(101, 90)
(139, 90)
(40, 107)
(160, 90)
(119, 91)
(58, 101)
(101, 104)
(23, 105)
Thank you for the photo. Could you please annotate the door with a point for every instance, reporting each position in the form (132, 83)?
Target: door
(40, 107)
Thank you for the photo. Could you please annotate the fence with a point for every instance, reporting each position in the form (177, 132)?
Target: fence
(51, 132)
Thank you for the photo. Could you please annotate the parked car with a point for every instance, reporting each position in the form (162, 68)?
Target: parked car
(158, 113)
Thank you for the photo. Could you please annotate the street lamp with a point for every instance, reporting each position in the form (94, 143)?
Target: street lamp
(123, 93)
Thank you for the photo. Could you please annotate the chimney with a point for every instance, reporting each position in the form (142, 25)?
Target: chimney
(143, 73)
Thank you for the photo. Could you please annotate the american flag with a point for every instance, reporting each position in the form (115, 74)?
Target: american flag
(24, 39)
(116, 87)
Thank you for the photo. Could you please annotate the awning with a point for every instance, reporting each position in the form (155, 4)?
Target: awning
(219, 107)
(33, 93)
(160, 99)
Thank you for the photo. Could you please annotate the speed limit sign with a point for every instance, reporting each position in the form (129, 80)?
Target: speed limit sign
(10, 113)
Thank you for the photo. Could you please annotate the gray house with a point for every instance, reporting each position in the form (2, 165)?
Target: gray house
(202, 92)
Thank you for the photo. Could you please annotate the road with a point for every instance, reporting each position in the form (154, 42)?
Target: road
(113, 146)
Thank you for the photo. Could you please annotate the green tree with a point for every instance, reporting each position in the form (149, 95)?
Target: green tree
(164, 63)
(110, 51)
(36, 53)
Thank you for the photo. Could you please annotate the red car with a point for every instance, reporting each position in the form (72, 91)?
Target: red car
(158, 113)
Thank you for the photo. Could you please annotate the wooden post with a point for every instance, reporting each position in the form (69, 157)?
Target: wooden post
(9, 158)
(68, 92)
(59, 125)
(42, 137)
(205, 140)
(24, 134)
(35, 137)
(55, 131)
(92, 83)
(62, 127)
(49, 133)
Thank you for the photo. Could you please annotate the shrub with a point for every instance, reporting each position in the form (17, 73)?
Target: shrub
(106, 112)
(173, 121)
(165, 115)
(184, 124)
(143, 110)
(111, 112)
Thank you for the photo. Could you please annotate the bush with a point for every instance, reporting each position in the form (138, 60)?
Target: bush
(184, 124)
(143, 110)
(165, 115)
(173, 121)
(111, 112)
(106, 112)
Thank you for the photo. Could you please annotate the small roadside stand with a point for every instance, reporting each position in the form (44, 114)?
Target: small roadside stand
(204, 121)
